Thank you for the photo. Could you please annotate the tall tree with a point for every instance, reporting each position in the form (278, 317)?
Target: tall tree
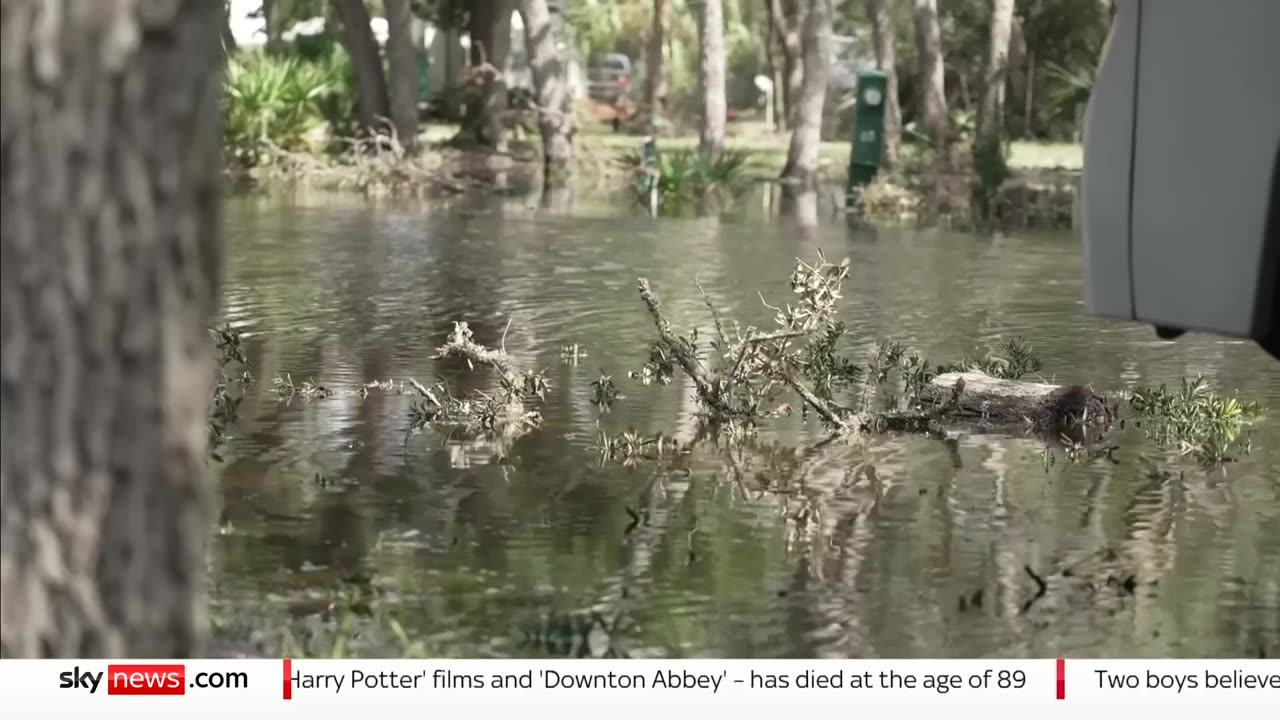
(489, 28)
(372, 104)
(785, 18)
(801, 170)
(555, 121)
(655, 85)
(402, 71)
(711, 78)
(991, 109)
(932, 103)
(111, 257)
(880, 13)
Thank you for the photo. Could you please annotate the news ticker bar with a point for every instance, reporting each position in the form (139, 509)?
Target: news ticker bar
(338, 687)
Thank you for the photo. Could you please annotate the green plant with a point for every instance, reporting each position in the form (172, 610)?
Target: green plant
(683, 175)
(273, 102)
(1197, 420)
(233, 377)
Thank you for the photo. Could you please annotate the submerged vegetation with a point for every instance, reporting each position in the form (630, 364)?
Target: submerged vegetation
(802, 368)
(744, 376)
(683, 176)
(234, 377)
(1195, 419)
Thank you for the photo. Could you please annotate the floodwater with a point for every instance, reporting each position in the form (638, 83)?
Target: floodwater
(346, 533)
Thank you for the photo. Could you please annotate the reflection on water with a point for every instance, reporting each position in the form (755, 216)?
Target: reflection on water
(908, 547)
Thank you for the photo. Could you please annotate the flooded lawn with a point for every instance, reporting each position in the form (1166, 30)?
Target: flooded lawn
(340, 526)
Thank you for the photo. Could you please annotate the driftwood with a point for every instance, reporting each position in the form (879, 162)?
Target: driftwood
(965, 399)
(1000, 404)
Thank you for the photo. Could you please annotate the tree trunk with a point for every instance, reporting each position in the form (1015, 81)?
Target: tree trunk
(932, 88)
(372, 104)
(880, 13)
(711, 78)
(991, 111)
(772, 63)
(555, 122)
(228, 37)
(801, 170)
(402, 71)
(655, 87)
(1017, 70)
(785, 16)
(111, 257)
(273, 22)
(489, 26)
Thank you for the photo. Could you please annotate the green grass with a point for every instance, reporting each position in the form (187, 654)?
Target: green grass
(768, 151)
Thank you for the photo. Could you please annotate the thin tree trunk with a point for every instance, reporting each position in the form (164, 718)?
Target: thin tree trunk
(273, 22)
(111, 257)
(991, 111)
(402, 70)
(1017, 72)
(786, 20)
(711, 78)
(1028, 113)
(496, 101)
(771, 58)
(932, 88)
(655, 87)
(806, 139)
(372, 104)
(880, 13)
(555, 122)
(228, 37)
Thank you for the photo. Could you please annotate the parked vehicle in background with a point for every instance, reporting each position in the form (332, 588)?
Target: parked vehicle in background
(609, 77)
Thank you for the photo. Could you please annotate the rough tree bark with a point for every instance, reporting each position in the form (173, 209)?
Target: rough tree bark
(555, 122)
(111, 256)
(372, 104)
(801, 170)
(991, 109)
(402, 71)
(880, 14)
(711, 78)
(786, 18)
(489, 26)
(932, 103)
(655, 86)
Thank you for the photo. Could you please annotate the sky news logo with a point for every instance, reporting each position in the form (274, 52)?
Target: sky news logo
(148, 680)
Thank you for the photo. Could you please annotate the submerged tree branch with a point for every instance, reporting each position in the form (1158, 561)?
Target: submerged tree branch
(460, 344)
(800, 355)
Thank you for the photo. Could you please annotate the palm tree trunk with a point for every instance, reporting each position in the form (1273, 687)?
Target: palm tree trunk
(933, 94)
(991, 111)
(655, 88)
(372, 104)
(801, 170)
(711, 78)
(402, 67)
(555, 122)
(880, 13)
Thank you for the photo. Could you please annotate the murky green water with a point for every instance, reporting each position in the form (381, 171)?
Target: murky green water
(738, 552)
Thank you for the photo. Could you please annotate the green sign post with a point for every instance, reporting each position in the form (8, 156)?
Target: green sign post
(868, 131)
(424, 91)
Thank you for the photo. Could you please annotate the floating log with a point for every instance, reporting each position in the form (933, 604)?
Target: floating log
(1000, 403)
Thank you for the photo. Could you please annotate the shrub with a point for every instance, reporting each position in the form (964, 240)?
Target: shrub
(274, 101)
